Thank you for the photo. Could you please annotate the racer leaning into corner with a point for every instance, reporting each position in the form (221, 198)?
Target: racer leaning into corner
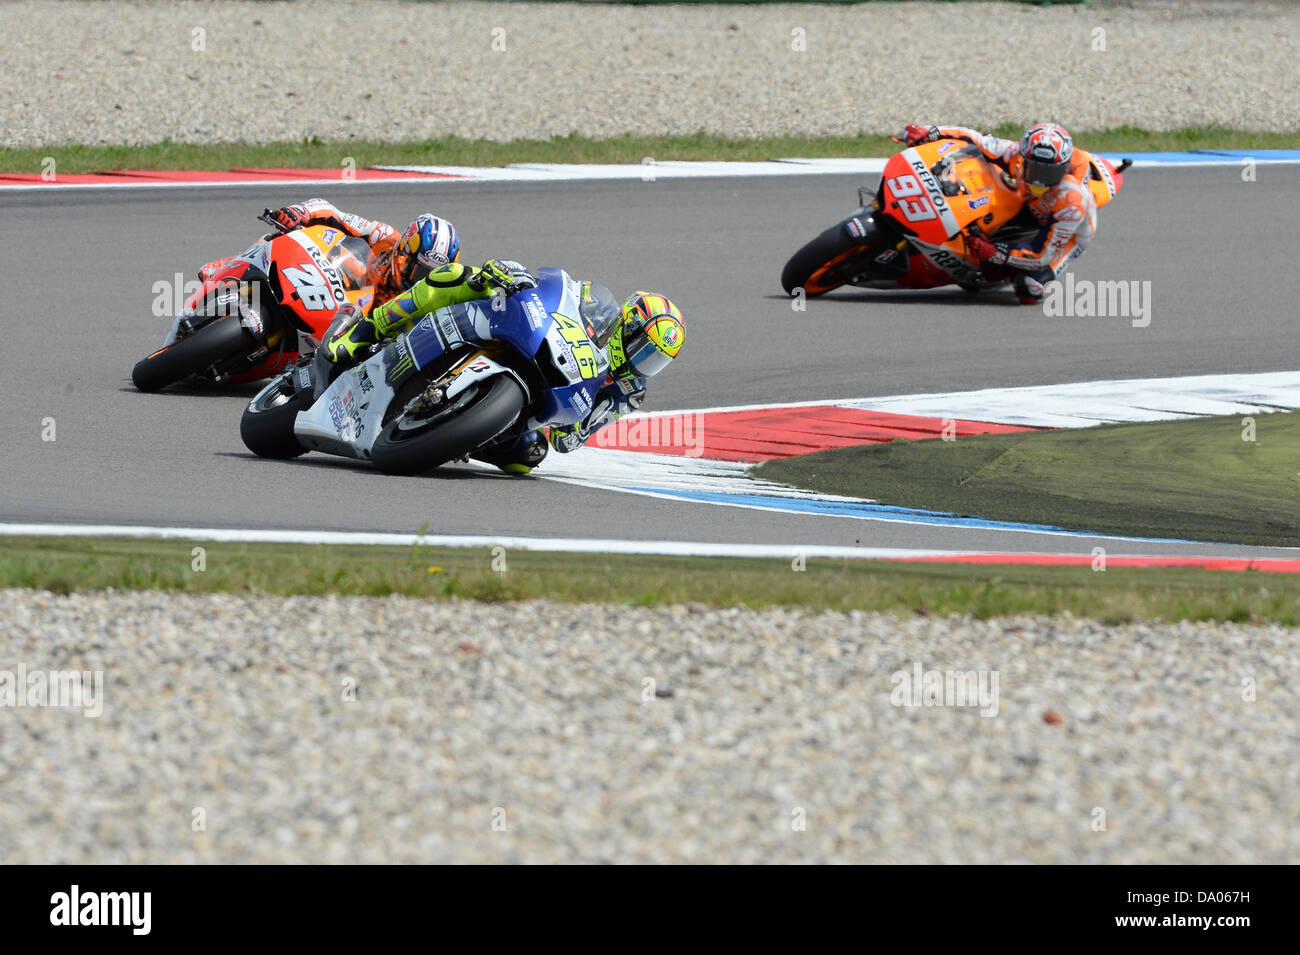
(1052, 179)
(640, 338)
(399, 261)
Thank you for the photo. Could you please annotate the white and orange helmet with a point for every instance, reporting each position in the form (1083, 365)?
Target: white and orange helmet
(1045, 153)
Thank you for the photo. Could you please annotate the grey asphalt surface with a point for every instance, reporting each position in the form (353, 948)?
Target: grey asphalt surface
(79, 267)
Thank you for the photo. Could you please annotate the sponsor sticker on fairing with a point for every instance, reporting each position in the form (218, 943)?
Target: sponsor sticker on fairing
(331, 274)
(933, 190)
(345, 416)
(943, 259)
(1106, 177)
(336, 413)
(580, 401)
(448, 327)
(535, 313)
(354, 416)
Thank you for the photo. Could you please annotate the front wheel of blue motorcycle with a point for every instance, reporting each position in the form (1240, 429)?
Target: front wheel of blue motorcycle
(267, 424)
(415, 442)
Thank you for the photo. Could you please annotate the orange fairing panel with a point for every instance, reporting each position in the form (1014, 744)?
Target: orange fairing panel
(1105, 181)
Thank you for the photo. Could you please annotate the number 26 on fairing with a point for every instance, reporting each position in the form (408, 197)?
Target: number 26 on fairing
(310, 286)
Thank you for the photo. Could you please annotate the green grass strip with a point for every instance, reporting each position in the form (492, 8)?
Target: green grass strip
(454, 151)
(66, 565)
(1195, 479)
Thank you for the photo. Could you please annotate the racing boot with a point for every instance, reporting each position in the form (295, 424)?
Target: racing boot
(1029, 285)
(347, 346)
(515, 454)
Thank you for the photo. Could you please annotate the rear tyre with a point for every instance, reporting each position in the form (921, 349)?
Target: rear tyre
(222, 339)
(403, 448)
(829, 260)
(267, 427)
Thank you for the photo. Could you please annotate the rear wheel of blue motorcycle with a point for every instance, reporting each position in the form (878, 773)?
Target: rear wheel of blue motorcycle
(402, 449)
(267, 427)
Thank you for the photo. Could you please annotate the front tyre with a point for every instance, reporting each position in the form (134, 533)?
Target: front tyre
(214, 342)
(825, 263)
(267, 424)
(470, 421)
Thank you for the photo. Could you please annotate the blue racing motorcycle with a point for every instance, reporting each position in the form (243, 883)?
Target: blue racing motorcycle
(461, 380)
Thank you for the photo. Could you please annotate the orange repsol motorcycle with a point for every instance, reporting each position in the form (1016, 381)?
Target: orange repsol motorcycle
(911, 233)
(255, 314)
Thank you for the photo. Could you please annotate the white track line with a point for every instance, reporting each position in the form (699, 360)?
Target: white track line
(575, 172)
(231, 184)
(543, 544)
(1073, 404)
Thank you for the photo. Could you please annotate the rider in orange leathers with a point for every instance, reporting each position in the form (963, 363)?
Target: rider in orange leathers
(398, 262)
(1052, 177)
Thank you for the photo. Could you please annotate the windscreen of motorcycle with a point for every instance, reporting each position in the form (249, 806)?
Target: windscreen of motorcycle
(600, 311)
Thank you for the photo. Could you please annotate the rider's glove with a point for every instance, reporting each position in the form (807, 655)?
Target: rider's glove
(985, 250)
(291, 217)
(504, 274)
(916, 134)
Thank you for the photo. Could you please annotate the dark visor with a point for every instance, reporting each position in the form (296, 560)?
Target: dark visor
(1044, 174)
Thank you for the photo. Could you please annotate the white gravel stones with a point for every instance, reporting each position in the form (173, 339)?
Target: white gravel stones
(113, 72)
(537, 717)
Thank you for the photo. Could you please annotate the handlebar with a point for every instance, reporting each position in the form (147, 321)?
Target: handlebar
(268, 216)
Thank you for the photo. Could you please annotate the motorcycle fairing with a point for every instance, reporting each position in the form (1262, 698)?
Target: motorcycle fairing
(911, 193)
(537, 323)
(580, 369)
(348, 416)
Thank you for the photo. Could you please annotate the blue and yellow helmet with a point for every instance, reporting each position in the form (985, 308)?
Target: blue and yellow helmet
(649, 336)
(427, 244)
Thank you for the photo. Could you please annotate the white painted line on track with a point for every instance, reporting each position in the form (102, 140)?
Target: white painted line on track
(544, 544)
(871, 165)
(232, 184)
(1073, 404)
(579, 172)
(575, 545)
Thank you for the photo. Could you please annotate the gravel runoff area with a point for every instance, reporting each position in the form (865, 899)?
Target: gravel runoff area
(133, 73)
(396, 730)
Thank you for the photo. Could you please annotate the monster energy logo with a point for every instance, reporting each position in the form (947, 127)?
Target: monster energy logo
(403, 362)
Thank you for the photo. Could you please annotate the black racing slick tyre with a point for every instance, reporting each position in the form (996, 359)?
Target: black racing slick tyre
(267, 424)
(831, 259)
(468, 423)
(222, 339)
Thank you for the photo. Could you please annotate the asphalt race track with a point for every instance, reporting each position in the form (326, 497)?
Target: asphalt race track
(79, 266)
